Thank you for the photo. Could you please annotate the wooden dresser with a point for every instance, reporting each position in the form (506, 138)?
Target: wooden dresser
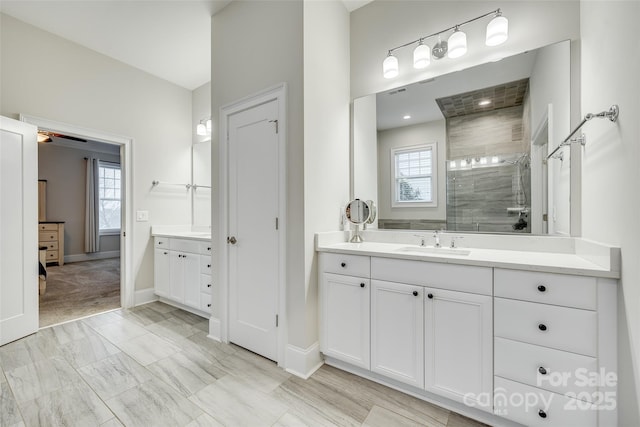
(51, 235)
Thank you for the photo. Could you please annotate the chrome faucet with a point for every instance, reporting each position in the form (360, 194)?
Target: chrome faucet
(436, 236)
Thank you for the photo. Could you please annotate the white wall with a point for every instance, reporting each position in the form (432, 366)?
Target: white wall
(326, 133)
(610, 174)
(364, 156)
(201, 162)
(46, 76)
(407, 136)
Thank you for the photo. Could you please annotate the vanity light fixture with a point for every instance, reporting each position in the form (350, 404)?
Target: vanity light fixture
(204, 127)
(406, 117)
(495, 159)
(454, 47)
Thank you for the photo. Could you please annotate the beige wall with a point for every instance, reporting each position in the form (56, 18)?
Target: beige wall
(65, 171)
(610, 173)
(46, 76)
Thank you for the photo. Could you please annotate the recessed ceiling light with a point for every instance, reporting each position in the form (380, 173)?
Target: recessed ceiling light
(407, 117)
(484, 102)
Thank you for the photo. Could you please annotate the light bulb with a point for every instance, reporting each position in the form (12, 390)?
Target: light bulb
(457, 44)
(201, 129)
(497, 31)
(209, 126)
(421, 56)
(390, 67)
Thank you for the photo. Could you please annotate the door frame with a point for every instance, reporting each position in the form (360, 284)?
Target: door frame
(279, 93)
(127, 292)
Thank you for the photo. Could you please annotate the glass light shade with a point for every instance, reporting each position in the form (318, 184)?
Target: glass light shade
(201, 129)
(457, 44)
(421, 56)
(497, 31)
(209, 126)
(390, 67)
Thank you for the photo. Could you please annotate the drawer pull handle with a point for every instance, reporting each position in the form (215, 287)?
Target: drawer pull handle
(430, 296)
(542, 370)
(362, 285)
(415, 293)
(343, 264)
(542, 327)
(542, 288)
(542, 414)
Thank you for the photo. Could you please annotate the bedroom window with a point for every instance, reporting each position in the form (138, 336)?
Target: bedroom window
(414, 175)
(110, 193)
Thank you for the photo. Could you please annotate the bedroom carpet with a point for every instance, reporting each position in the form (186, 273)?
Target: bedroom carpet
(80, 289)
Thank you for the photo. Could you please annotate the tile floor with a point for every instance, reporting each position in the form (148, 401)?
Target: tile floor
(154, 366)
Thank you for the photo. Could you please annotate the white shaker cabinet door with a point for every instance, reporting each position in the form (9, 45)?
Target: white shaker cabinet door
(459, 346)
(161, 272)
(191, 279)
(345, 313)
(176, 275)
(397, 331)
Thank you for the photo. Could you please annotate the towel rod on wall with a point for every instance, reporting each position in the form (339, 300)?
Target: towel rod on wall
(156, 183)
(612, 115)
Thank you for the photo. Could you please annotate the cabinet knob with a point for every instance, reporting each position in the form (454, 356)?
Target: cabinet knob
(542, 288)
(415, 293)
(165, 253)
(362, 285)
(542, 414)
(430, 296)
(208, 305)
(542, 370)
(343, 264)
(209, 285)
(209, 248)
(542, 327)
(208, 265)
(179, 256)
(160, 243)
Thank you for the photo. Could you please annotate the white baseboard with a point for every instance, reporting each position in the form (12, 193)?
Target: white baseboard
(303, 362)
(214, 329)
(91, 256)
(144, 296)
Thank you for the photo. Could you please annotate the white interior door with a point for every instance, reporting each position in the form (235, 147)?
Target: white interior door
(18, 230)
(253, 167)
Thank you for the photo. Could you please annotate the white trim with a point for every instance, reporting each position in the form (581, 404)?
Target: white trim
(433, 147)
(214, 329)
(126, 162)
(279, 93)
(91, 256)
(303, 362)
(144, 296)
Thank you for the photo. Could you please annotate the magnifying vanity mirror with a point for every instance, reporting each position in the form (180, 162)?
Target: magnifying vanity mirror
(467, 151)
(358, 212)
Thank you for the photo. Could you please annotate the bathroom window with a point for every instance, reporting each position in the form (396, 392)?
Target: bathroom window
(414, 176)
(110, 193)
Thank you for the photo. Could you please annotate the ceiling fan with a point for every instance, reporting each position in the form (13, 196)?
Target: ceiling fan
(47, 136)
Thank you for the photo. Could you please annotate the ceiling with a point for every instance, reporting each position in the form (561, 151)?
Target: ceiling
(504, 95)
(167, 38)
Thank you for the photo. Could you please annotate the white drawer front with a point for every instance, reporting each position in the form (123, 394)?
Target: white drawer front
(548, 288)
(205, 248)
(206, 284)
(161, 242)
(477, 280)
(205, 301)
(534, 407)
(205, 264)
(184, 245)
(545, 367)
(350, 265)
(562, 328)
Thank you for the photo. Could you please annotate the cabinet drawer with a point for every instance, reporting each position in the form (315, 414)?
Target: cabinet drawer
(206, 284)
(48, 227)
(548, 288)
(350, 265)
(185, 245)
(52, 256)
(51, 246)
(47, 236)
(523, 404)
(477, 280)
(161, 242)
(540, 367)
(205, 301)
(563, 328)
(205, 264)
(205, 248)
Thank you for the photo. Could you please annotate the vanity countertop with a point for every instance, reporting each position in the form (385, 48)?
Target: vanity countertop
(180, 232)
(588, 263)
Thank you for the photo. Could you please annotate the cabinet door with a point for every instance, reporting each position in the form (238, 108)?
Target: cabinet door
(176, 274)
(345, 318)
(459, 346)
(397, 331)
(191, 279)
(161, 272)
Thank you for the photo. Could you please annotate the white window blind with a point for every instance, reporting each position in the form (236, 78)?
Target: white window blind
(110, 194)
(414, 176)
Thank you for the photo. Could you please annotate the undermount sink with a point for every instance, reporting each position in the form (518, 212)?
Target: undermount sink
(432, 250)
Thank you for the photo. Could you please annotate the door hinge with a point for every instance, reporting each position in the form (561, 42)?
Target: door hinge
(276, 320)
(277, 224)
(545, 217)
(276, 122)
(124, 234)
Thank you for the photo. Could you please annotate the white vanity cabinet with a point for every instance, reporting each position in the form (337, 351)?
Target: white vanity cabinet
(179, 272)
